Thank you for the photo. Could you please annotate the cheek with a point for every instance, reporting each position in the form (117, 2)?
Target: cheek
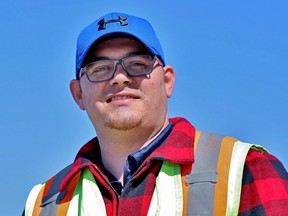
(156, 92)
(90, 98)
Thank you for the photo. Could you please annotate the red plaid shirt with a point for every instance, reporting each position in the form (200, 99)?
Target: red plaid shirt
(264, 187)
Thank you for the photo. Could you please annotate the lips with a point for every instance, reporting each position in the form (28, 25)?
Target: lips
(121, 97)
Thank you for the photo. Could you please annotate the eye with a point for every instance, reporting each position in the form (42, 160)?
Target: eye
(136, 64)
(99, 68)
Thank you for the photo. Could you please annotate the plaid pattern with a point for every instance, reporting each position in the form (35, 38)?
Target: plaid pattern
(264, 190)
(264, 186)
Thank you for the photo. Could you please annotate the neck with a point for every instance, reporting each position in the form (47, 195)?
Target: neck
(116, 145)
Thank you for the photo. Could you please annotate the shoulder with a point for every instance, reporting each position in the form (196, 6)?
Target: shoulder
(50, 187)
(264, 184)
(53, 184)
(260, 166)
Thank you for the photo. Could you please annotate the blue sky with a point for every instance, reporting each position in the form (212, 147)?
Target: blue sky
(230, 59)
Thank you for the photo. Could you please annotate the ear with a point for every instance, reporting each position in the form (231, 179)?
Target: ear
(76, 92)
(169, 77)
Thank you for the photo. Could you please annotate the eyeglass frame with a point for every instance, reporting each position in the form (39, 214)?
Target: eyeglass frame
(120, 62)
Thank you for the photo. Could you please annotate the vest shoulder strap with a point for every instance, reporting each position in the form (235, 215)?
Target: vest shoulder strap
(54, 186)
(216, 176)
(46, 193)
(204, 175)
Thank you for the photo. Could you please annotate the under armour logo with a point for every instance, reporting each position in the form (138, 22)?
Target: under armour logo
(103, 22)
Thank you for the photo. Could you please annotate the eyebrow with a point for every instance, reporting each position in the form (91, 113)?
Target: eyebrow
(98, 58)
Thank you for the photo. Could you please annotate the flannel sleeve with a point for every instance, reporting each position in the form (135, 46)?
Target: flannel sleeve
(264, 186)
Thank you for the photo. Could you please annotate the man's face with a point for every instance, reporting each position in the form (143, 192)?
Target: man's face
(125, 102)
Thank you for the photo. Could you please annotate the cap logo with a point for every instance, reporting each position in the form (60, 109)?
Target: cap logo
(103, 22)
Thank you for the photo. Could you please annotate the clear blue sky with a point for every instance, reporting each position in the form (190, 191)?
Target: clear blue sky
(231, 60)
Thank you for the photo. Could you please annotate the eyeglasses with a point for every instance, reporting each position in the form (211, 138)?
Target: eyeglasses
(104, 70)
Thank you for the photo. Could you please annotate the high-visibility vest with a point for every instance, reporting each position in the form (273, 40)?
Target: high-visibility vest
(215, 181)
(216, 176)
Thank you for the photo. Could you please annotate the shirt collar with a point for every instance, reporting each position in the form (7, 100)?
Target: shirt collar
(177, 148)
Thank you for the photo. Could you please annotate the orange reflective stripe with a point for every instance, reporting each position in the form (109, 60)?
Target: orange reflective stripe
(185, 169)
(223, 166)
(37, 207)
(62, 209)
(197, 136)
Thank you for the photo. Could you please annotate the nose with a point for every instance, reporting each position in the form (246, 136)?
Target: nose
(120, 76)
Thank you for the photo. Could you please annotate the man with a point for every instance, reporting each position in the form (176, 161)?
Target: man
(140, 162)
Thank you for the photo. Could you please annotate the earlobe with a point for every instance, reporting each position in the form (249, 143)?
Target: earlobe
(76, 92)
(169, 80)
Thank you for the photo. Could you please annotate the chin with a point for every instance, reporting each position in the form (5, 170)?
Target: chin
(123, 123)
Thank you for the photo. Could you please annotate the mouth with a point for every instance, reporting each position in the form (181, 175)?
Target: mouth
(120, 97)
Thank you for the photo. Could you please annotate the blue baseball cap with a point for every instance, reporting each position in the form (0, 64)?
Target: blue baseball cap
(117, 23)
